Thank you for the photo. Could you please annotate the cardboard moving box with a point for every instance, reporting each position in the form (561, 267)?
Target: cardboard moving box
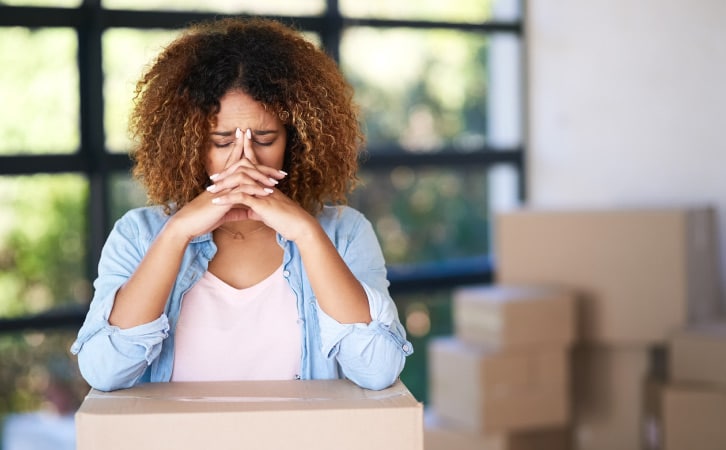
(487, 391)
(261, 415)
(515, 316)
(698, 354)
(609, 390)
(439, 435)
(694, 418)
(640, 274)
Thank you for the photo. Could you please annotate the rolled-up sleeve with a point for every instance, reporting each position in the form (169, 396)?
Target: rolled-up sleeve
(110, 357)
(371, 355)
(114, 358)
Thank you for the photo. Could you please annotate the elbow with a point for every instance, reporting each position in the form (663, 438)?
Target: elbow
(376, 383)
(101, 384)
(94, 376)
(105, 375)
(98, 376)
(377, 377)
(374, 364)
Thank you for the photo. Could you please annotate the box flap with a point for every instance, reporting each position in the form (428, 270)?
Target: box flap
(239, 396)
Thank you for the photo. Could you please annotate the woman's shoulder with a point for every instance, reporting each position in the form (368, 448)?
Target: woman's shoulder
(336, 218)
(146, 219)
(339, 214)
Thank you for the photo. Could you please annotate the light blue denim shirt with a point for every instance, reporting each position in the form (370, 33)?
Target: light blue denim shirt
(371, 355)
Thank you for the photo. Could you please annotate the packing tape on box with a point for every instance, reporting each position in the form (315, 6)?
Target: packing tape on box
(373, 395)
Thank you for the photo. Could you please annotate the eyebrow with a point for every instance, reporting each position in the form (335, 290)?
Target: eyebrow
(255, 132)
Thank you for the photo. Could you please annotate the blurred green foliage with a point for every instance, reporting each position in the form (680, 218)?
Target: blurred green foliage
(42, 243)
(436, 308)
(427, 214)
(423, 90)
(32, 364)
(39, 91)
(42, 268)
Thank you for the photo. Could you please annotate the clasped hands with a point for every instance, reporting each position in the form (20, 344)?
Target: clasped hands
(245, 190)
(243, 176)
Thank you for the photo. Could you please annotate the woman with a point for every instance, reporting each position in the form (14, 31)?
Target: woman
(248, 267)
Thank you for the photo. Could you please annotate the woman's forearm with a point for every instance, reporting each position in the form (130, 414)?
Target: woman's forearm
(338, 291)
(143, 297)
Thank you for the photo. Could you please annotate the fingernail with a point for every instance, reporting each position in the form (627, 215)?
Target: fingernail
(273, 181)
(212, 188)
(238, 133)
(214, 176)
(283, 172)
(269, 191)
(249, 133)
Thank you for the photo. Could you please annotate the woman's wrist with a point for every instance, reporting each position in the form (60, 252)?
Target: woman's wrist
(310, 232)
(174, 232)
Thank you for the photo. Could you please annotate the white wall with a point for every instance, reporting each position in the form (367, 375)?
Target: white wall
(627, 104)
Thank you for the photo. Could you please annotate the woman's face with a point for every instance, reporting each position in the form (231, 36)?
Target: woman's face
(239, 110)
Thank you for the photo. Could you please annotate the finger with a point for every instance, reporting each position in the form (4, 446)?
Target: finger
(227, 200)
(249, 152)
(241, 175)
(237, 150)
(274, 174)
(250, 203)
(242, 195)
(235, 214)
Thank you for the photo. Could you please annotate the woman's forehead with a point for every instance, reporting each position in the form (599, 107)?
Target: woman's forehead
(238, 109)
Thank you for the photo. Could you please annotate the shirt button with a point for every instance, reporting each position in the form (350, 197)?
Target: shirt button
(286, 273)
(406, 347)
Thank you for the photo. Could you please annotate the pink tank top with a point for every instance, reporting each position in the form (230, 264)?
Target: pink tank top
(226, 334)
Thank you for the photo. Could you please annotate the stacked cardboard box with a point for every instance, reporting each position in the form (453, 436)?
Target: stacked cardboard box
(638, 275)
(503, 381)
(319, 414)
(610, 396)
(440, 435)
(694, 400)
(641, 274)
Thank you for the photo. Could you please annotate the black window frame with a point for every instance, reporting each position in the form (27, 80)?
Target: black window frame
(90, 20)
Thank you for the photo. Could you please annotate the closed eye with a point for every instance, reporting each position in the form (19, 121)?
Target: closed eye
(227, 144)
(264, 144)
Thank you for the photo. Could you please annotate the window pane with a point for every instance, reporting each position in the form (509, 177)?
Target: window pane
(425, 316)
(252, 7)
(504, 99)
(421, 90)
(40, 389)
(125, 54)
(464, 11)
(427, 215)
(42, 243)
(50, 3)
(436, 10)
(39, 91)
(126, 193)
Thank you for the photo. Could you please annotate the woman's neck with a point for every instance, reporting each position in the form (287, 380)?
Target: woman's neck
(242, 230)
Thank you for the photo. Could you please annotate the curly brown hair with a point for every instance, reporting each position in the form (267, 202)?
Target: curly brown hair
(178, 97)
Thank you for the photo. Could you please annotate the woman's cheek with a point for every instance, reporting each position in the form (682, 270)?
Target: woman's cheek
(212, 162)
(274, 159)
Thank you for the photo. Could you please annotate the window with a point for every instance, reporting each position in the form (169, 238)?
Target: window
(440, 86)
